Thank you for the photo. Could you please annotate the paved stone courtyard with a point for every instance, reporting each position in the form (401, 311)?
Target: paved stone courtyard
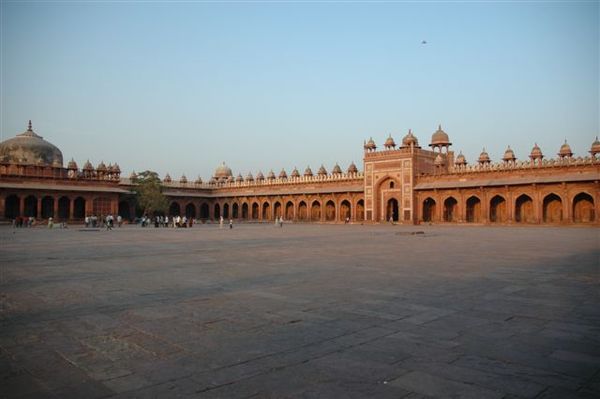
(306, 311)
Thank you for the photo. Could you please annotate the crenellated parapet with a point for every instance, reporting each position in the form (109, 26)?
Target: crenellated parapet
(523, 165)
(110, 173)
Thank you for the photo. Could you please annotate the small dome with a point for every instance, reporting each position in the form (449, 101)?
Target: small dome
(101, 167)
(223, 172)
(30, 148)
(282, 174)
(212, 181)
(389, 142)
(230, 179)
(249, 177)
(308, 172)
(260, 176)
(370, 145)
(198, 180)
(509, 155)
(183, 179)
(536, 152)
(352, 168)
(460, 159)
(322, 171)
(565, 150)
(109, 168)
(295, 172)
(271, 175)
(595, 149)
(483, 157)
(133, 176)
(439, 138)
(167, 178)
(409, 140)
(88, 166)
(72, 164)
(439, 160)
(239, 178)
(336, 170)
(116, 168)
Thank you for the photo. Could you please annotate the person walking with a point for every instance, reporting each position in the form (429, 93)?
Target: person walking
(221, 222)
(230, 224)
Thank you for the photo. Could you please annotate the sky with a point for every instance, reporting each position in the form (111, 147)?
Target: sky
(180, 87)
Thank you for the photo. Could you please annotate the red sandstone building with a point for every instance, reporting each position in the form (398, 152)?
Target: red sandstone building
(406, 184)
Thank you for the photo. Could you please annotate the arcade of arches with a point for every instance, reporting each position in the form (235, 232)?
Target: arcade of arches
(63, 206)
(532, 207)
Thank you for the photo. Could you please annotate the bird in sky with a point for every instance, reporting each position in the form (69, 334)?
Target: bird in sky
(424, 42)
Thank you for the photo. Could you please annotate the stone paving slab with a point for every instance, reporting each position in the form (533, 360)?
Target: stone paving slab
(306, 311)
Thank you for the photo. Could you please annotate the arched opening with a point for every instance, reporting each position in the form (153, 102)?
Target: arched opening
(391, 184)
(450, 208)
(392, 210)
(552, 209)
(226, 211)
(289, 210)
(11, 207)
(204, 211)
(277, 209)
(64, 207)
(473, 210)
(315, 211)
(235, 210)
(124, 210)
(498, 209)
(266, 211)
(245, 210)
(524, 209)
(30, 206)
(345, 210)
(174, 209)
(302, 211)
(217, 212)
(79, 208)
(190, 211)
(583, 208)
(330, 211)
(360, 210)
(428, 210)
(255, 211)
(47, 207)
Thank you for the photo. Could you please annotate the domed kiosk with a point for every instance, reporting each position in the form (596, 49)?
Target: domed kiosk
(29, 148)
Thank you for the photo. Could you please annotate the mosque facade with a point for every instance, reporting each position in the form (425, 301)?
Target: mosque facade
(403, 183)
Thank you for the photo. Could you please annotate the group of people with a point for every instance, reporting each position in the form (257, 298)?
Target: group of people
(20, 221)
(164, 221)
(107, 221)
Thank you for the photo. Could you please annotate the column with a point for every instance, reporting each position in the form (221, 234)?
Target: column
(39, 207)
(71, 208)
(55, 210)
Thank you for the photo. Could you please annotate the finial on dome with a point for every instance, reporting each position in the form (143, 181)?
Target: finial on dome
(440, 126)
(29, 126)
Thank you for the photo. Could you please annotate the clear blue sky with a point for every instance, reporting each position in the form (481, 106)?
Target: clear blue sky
(181, 87)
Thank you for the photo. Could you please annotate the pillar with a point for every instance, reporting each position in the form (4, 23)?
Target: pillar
(39, 207)
(55, 210)
(71, 208)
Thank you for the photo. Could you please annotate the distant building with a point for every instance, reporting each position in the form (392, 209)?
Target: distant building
(405, 184)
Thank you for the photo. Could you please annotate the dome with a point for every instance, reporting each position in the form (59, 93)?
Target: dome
(29, 148)
(101, 167)
(88, 165)
(308, 171)
(198, 180)
(72, 164)
(271, 175)
(239, 178)
(595, 149)
(223, 172)
(167, 178)
(536, 152)
(439, 138)
(295, 173)
(183, 179)
(389, 143)
(565, 150)
(509, 155)
(116, 168)
(322, 171)
(260, 176)
(439, 160)
(352, 168)
(282, 174)
(409, 140)
(370, 145)
(483, 157)
(133, 176)
(336, 170)
(460, 159)
(212, 181)
(249, 177)
(230, 179)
